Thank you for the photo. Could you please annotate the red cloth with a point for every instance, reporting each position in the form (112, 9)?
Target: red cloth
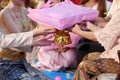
(27, 3)
(110, 0)
(76, 1)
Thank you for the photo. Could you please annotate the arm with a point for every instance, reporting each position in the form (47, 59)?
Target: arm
(17, 40)
(86, 34)
(103, 21)
(24, 41)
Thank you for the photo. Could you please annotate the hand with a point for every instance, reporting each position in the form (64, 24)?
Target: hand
(43, 30)
(76, 29)
(42, 41)
(62, 49)
(92, 27)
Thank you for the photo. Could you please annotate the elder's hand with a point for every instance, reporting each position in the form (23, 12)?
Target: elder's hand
(43, 30)
(42, 41)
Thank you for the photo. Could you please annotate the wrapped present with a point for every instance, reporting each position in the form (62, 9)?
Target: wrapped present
(62, 38)
(62, 15)
(74, 41)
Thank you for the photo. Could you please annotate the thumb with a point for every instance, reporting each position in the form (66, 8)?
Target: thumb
(88, 24)
(48, 36)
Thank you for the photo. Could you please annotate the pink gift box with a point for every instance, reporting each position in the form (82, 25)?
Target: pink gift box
(62, 15)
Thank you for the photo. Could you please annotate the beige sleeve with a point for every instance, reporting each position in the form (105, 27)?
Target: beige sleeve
(114, 7)
(22, 41)
(108, 35)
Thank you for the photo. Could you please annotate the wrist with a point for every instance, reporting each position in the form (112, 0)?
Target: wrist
(35, 32)
(34, 42)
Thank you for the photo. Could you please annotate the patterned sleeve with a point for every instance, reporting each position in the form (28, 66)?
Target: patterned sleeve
(112, 9)
(107, 40)
(108, 35)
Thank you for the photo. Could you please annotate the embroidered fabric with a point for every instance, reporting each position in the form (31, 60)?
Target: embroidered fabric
(109, 34)
(23, 22)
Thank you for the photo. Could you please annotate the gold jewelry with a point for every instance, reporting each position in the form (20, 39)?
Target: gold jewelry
(62, 38)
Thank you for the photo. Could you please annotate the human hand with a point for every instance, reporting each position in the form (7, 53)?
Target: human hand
(62, 49)
(92, 27)
(76, 29)
(42, 41)
(43, 30)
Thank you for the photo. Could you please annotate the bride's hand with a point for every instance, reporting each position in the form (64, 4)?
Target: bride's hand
(76, 29)
(92, 27)
(61, 49)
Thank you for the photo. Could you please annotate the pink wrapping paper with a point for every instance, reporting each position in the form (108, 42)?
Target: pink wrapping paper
(63, 15)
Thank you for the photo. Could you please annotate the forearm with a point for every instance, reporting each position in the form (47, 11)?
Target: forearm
(88, 35)
(21, 40)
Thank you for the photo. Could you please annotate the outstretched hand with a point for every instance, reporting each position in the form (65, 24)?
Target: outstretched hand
(76, 29)
(92, 27)
(42, 41)
(43, 30)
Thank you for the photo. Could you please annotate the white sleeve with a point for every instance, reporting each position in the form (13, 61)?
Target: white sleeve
(113, 8)
(108, 5)
(107, 36)
(22, 41)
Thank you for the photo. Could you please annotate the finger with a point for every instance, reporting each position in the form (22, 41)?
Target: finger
(66, 31)
(49, 36)
(37, 27)
(76, 25)
(50, 30)
(90, 24)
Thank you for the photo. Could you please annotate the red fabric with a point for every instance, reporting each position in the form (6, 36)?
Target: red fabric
(110, 0)
(27, 3)
(76, 1)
